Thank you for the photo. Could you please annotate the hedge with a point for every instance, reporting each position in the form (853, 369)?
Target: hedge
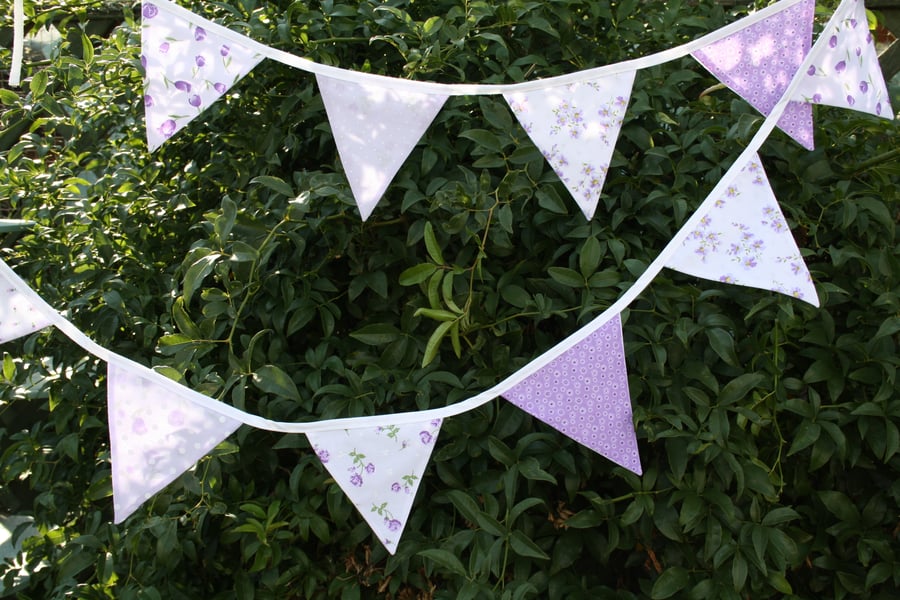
(234, 260)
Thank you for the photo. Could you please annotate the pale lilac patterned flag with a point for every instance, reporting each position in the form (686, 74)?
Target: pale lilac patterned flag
(375, 126)
(575, 126)
(186, 68)
(19, 313)
(156, 433)
(584, 394)
(743, 239)
(845, 71)
(379, 468)
(759, 61)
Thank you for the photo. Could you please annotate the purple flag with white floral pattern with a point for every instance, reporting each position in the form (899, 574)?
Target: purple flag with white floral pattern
(18, 313)
(379, 468)
(156, 433)
(584, 394)
(759, 61)
(845, 71)
(743, 238)
(186, 68)
(575, 126)
(375, 127)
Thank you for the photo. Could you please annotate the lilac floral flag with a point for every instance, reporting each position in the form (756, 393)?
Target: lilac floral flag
(155, 435)
(845, 71)
(575, 126)
(19, 314)
(744, 239)
(375, 127)
(379, 468)
(759, 61)
(584, 394)
(186, 68)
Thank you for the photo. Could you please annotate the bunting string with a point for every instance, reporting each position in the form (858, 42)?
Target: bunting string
(160, 428)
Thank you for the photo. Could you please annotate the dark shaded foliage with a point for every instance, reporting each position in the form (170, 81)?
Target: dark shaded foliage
(233, 259)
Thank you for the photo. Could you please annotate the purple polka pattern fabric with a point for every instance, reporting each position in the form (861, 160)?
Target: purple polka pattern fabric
(758, 63)
(575, 127)
(744, 239)
(379, 468)
(845, 71)
(584, 394)
(18, 315)
(375, 128)
(154, 435)
(186, 68)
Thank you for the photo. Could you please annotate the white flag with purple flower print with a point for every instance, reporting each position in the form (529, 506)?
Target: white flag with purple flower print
(156, 433)
(375, 127)
(743, 238)
(186, 68)
(759, 61)
(575, 126)
(379, 468)
(845, 72)
(20, 314)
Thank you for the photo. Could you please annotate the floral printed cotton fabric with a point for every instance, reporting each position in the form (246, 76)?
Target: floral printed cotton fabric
(379, 468)
(375, 128)
(186, 68)
(743, 239)
(155, 435)
(845, 72)
(18, 315)
(758, 63)
(584, 394)
(576, 127)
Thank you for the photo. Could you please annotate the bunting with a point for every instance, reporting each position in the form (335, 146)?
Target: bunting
(19, 314)
(186, 68)
(155, 435)
(584, 394)
(575, 127)
(375, 128)
(744, 239)
(379, 468)
(739, 235)
(574, 120)
(845, 72)
(758, 63)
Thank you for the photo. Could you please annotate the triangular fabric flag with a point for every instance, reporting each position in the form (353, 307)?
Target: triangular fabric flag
(575, 126)
(584, 394)
(186, 68)
(845, 71)
(375, 127)
(19, 314)
(379, 468)
(759, 61)
(156, 433)
(743, 238)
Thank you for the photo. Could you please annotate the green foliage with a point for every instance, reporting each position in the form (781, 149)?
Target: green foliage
(233, 260)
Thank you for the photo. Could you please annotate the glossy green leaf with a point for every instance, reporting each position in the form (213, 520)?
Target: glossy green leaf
(273, 380)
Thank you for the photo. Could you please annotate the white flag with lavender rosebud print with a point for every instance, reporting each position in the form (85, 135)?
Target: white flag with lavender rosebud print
(575, 126)
(845, 71)
(186, 69)
(744, 239)
(379, 468)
